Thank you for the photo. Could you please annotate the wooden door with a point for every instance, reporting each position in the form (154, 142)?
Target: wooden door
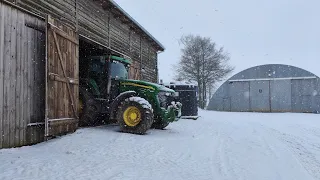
(62, 81)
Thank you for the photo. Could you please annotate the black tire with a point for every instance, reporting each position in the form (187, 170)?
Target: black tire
(160, 125)
(146, 112)
(88, 115)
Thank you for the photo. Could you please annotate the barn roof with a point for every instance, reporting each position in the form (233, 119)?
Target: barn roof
(125, 15)
(272, 71)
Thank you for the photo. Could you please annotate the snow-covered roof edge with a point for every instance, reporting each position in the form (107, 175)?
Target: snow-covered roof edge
(180, 83)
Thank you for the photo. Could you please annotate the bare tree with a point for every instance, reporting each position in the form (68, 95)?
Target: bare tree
(201, 61)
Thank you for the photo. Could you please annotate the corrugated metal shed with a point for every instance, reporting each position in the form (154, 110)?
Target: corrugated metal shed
(269, 88)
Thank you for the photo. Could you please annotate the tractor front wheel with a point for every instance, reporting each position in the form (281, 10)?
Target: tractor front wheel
(135, 115)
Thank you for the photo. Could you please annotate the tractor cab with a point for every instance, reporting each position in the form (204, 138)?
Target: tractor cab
(102, 74)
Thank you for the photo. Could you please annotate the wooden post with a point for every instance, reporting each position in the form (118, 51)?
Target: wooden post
(46, 124)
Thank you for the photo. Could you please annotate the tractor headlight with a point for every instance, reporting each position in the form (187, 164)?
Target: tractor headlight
(165, 99)
(162, 96)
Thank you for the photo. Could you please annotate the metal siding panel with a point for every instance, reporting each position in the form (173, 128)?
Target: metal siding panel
(280, 95)
(226, 104)
(303, 94)
(216, 104)
(316, 104)
(239, 92)
(316, 96)
(217, 100)
(259, 96)
(306, 103)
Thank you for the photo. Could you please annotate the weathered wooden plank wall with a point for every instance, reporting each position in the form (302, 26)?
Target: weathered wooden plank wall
(63, 10)
(103, 25)
(2, 21)
(21, 77)
(106, 27)
(135, 71)
(93, 21)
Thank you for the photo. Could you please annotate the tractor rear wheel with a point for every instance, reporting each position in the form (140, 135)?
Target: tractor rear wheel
(135, 115)
(87, 111)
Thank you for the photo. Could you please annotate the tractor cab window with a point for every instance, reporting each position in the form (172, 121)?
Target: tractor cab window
(118, 70)
(97, 70)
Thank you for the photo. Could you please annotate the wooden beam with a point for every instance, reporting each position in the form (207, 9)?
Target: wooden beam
(35, 124)
(58, 31)
(56, 77)
(35, 27)
(62, 121)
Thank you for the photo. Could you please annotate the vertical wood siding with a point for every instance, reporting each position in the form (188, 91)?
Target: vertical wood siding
(135, 69)
(21, 77)
(63, 71)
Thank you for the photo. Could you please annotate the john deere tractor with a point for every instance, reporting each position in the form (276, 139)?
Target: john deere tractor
(107, 95)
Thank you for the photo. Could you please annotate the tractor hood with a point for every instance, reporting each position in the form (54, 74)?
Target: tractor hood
(146, 85)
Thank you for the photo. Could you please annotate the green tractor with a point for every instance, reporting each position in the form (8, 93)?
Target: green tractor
(107, 95)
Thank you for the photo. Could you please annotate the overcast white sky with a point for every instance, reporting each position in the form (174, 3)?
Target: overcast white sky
(254, 32)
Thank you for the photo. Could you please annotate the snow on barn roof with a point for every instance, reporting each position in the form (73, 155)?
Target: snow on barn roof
(179, 83)
(161, 47)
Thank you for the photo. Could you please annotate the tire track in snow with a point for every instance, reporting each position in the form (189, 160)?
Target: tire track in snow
(222, 158)
(247, 151)
(295, 144)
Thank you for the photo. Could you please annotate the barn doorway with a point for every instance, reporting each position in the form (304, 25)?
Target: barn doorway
(96, 89)
(91, 75)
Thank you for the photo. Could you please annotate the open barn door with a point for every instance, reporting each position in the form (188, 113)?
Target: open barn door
(62, 81)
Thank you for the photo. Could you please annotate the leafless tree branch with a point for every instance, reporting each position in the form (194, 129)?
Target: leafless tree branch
(201, 61)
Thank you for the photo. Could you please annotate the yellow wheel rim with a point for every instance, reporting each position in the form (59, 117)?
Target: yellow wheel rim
(132, 116)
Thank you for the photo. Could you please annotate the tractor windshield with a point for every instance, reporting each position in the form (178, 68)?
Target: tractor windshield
(118, 70)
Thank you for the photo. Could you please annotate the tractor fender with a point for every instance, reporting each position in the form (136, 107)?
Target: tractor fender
(116, 102)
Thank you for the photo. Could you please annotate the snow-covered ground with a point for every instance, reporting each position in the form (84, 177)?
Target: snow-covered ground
(248, 146)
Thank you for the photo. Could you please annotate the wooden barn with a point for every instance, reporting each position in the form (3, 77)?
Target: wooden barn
(40, 45)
